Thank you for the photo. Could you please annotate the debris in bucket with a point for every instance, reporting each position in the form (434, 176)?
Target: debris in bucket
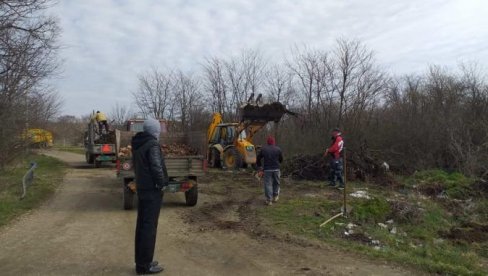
(267, 112)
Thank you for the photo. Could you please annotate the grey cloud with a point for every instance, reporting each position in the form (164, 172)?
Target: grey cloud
(107, 43)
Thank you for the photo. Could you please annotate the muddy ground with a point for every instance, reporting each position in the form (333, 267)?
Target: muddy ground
(82, 230)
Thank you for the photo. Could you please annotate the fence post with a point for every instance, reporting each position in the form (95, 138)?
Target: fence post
(28, 179)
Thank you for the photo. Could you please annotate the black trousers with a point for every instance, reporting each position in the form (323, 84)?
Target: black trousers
(102, 124)
(147, 225)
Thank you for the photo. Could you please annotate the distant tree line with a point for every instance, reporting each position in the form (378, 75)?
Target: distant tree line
(27, 59)
(435, 119)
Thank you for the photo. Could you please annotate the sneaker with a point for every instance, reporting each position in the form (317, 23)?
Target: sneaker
(331, 184)
(268, 202)
(275, 198)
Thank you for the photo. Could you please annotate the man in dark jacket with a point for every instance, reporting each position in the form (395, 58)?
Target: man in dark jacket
(272, 158)
(151, 176)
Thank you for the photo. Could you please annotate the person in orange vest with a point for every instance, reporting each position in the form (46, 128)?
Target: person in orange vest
(336, 163)
(102, 121)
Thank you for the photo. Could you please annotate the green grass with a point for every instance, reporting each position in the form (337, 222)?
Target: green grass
(455, 184)
(417, 244)
(47, 177)
(73, 149)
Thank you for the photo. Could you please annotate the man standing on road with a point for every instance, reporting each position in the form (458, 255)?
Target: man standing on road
(272, 158)
(151, 176)
(336, 166)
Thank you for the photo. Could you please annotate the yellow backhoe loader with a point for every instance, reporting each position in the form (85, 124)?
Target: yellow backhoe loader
(230, 145)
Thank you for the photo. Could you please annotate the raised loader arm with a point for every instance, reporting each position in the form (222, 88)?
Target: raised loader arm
(216, 120)
(254, 116)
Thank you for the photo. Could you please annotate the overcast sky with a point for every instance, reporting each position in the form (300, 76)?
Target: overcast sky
(107, 43)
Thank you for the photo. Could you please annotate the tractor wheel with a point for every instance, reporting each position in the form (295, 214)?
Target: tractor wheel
(89, 158)
(232, 159)
(215, 158)
(191, 196)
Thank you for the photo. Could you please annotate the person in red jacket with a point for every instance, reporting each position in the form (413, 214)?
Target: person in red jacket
(336, 163)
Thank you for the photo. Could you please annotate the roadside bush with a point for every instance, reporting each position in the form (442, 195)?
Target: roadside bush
(436, 182)
(372, 210)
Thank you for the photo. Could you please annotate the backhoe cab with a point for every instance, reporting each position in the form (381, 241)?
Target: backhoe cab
(230, 144)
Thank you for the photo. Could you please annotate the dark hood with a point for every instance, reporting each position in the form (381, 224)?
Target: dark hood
(140, 139)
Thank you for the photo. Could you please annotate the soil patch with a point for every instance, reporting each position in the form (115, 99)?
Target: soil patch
(469, 232)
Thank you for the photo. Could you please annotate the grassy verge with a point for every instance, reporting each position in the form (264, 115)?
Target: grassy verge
(408, 227)
(47, 177)
(73, 149)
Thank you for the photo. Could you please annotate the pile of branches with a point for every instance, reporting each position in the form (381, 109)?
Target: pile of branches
(316, 167)
(309, 167)
(174, 149)
(177, 149)
(108, 138)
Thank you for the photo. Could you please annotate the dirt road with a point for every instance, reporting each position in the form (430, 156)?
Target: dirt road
(82, 230)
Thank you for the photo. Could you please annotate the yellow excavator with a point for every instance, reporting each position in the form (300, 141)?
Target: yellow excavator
(230, 145)
(39, 138)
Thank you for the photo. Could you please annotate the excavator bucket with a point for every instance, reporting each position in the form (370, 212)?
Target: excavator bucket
(267, 112)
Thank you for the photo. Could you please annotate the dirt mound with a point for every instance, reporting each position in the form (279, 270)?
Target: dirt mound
(481, 186)
(431, 189)
(404, 211)
(469, 232)
(359, 237)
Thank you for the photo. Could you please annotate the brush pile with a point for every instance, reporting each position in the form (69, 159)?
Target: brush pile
(309, 167)
(174, 149)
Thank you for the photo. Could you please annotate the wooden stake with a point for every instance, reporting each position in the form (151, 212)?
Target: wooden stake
(331, 219)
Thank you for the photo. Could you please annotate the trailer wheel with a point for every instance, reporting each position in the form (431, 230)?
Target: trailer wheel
(191, 196)
(89, 158)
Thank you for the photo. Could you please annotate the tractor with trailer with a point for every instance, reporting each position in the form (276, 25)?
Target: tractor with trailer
(230, 145)
(183, 163)
(99, 146)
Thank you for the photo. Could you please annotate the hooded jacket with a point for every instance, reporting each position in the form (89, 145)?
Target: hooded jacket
(272, 156)
(148, 160)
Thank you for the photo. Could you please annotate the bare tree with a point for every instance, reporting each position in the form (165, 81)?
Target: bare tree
(278, 84)
(27, 58)
(309, 67)
(215, 84)
(187, 97)
(349, 57)
(68, 129)
(119, 115)
(154, 97)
